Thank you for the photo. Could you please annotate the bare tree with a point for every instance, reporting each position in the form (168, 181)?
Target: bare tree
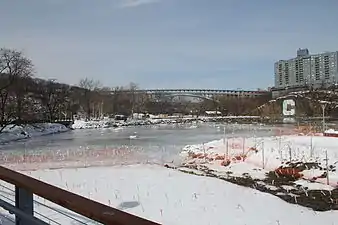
(141, 101)
(54, 98)
(132, 92)
(89, 87)
(14, 67)
(22, 92)
(117, 94)
(106, 101)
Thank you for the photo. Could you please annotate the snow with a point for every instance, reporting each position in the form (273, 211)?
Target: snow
(153, 120)
(302, 94)
(265, 154)
(174, 198)
(238, 169)
(313, 186)
(331, 131)
(90, 124)
(107, 123)
(82, 124)
(14, 133)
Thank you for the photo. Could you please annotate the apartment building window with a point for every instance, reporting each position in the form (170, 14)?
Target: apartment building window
(301, 70)
(280, 74)
(286, 72)
(317, 74)
(297, 71)
(326, 67)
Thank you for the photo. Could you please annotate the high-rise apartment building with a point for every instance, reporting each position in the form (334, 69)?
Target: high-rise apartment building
(319, 70)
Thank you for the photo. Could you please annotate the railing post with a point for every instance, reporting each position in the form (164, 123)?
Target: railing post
(24, 202)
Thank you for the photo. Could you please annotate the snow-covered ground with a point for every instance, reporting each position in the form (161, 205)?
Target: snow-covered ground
(106, 123)
(173, 198)
(258, 156)
(14, 133)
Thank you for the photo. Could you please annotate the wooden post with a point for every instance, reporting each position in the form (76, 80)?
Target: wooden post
(204, 154)
(243, 146)
(263, 156)
(311, 147)
(280, 148)
(223, 135)
(227, 149)
(327, 169)
(24, 202)
(323, 109)
(279, 142)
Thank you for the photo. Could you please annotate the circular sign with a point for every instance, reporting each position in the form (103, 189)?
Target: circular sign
(289, 106)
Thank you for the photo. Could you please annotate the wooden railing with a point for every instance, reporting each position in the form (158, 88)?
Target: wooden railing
(26, 186)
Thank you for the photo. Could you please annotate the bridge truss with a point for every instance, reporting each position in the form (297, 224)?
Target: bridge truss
(202, 93)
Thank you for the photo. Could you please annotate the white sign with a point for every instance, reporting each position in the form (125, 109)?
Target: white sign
(289, 106)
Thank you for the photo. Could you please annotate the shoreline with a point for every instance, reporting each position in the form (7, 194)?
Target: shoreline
(109, 123)
(98, 124)
(14, 133)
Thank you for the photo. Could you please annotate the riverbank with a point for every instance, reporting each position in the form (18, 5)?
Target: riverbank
(108, 123)
(16, 133)
(293, 168)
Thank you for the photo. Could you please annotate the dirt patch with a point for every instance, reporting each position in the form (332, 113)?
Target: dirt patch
(301, 166)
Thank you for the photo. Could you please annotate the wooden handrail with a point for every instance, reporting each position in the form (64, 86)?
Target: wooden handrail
(76, 203)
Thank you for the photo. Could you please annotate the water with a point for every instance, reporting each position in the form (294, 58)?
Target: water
(153, 143)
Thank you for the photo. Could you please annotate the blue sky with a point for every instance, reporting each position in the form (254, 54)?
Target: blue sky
(225, 44)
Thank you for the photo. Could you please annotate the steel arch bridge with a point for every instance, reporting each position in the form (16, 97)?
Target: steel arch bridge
(203, 93)
(173, 95)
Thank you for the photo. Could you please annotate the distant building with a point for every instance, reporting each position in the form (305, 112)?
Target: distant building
(213, 113)
(305, 70)
(303, 52)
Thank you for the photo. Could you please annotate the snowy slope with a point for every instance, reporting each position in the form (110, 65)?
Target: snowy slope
(174, 198)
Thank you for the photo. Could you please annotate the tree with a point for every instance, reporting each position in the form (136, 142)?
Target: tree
(22, 92)
(117, 94)
(54, 98)
(89, 86)
(133, 97)
(14, 67)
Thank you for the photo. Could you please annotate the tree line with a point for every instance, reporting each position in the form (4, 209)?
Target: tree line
(25, 98)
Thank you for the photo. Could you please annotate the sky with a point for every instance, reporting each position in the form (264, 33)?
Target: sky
(221, 44)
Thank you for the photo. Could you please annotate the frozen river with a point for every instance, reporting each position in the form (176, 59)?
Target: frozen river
(154, 143)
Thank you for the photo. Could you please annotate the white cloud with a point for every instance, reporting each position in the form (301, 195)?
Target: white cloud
(136, 3)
